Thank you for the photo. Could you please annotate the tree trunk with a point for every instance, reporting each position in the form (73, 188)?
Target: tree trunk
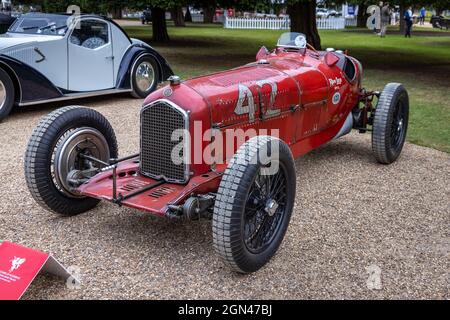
(159, 25)
(178, 17)
(303, 19)
(188, 16)
(116, 13)
(361, 19)
(208, 14)
(402, 23)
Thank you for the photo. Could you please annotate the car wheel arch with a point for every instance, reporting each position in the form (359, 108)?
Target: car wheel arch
(15, 79)
(143, 54)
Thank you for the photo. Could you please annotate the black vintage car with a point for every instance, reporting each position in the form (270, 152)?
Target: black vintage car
(440, 22)
(146, 16)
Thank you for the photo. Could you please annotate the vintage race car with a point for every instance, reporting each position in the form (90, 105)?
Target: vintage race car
(220, 146)
(48, 57)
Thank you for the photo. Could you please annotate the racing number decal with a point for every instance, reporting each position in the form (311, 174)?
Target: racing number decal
(246, 95)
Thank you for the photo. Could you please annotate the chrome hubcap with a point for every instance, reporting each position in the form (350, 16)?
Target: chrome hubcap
(66, 157)
(145, 76)
(2, 95)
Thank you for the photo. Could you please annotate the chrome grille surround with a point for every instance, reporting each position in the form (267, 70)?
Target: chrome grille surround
(158, 121)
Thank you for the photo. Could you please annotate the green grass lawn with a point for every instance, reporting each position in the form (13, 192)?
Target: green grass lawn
(421, 63)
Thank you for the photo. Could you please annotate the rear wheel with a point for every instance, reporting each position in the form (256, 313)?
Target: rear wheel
(254, 204)
(390, 123)
(7, 94)
(145, 75)
(55, 154)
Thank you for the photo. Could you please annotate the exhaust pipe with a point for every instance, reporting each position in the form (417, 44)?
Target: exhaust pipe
(346, 127)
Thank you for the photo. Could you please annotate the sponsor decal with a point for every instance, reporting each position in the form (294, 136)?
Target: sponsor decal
(335, 82)
(336, 98)
(300, 41)
(168, 92)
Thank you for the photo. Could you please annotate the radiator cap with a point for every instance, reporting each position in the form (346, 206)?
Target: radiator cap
(175, 80)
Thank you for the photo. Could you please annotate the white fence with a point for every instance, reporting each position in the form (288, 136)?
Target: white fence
(280, 24)
(331, 23)
(197, 17)
(255, 23)
(351, 22)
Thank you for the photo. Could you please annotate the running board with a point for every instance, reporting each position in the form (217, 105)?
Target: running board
(72, 96)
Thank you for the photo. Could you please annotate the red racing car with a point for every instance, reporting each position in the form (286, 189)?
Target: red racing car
(220, 146)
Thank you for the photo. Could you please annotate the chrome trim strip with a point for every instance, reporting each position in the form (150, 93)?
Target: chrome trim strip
(76, 96)
(187, 144)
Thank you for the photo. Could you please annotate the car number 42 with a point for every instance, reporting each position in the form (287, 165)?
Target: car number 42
(249, 108)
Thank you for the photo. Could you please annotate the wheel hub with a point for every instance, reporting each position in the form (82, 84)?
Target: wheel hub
(271, 207)
(68, 160)
(265, 210)
(145, 76)
(400, 125)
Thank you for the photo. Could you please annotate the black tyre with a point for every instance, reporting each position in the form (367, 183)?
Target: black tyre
(254, 204)
(54, 151)
(144, 76)
(390, 123)
(7, 94)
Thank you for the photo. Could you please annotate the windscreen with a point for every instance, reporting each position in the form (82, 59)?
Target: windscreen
(292, 40)
(45, 24)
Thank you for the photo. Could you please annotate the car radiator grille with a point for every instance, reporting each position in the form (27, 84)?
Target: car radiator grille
(158, 121)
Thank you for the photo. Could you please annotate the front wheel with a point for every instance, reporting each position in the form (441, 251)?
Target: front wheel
(254, 204)
(145, 75)
(390, 123)
(7, 94)
(55, 152)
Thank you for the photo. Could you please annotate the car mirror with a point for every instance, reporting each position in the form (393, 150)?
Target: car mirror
(331, 59)
(262, 53)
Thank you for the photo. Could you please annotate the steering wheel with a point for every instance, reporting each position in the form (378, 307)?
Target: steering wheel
(93, 42)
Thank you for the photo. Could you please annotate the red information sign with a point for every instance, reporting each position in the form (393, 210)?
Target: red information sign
(20, 265)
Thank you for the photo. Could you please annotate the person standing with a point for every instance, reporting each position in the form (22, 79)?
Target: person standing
(409, 22)
(377, 29)
(423, 13)
(385, 16)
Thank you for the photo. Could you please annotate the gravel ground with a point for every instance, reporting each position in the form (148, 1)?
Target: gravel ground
(352, 217)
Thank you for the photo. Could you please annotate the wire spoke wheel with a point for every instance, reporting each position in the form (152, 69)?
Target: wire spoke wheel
(398, 125)
(264, 210)
(390, 123)
(254, 204)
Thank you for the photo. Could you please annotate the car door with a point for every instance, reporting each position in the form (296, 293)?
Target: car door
(314, 88)
(91, 61)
